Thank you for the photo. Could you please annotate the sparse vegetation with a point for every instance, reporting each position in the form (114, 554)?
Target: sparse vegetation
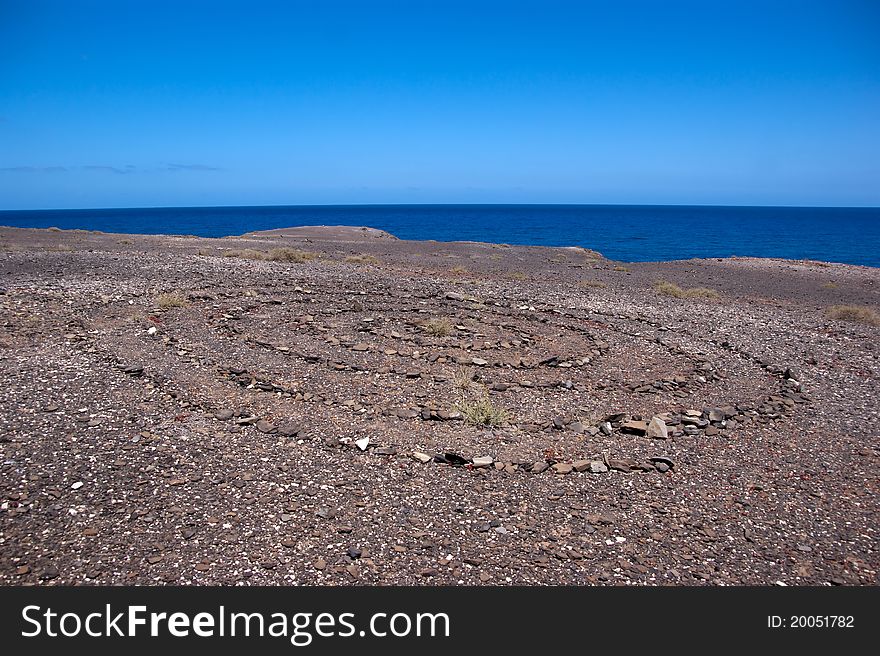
(125, 242)
(620, 268)
(438, 327)
(829, 285)
(459, 269)
(482, 412)
(519, 275)
(171, 300)
(854, 314)
(671, 289)
(293, 255)
(598, 284)
(464, 379)
(362, 259)
(590, 254)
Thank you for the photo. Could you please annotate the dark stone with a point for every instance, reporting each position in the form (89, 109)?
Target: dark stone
(455, 460)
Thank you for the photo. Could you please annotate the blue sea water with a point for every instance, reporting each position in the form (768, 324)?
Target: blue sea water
(632, 233)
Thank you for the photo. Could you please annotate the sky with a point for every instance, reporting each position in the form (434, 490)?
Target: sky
(147, 104)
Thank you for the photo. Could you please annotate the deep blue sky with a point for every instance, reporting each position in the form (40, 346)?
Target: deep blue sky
(124, 103)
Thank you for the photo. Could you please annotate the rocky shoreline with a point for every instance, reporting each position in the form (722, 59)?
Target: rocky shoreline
(334, 406)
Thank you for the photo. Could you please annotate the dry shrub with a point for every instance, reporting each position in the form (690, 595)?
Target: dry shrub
(293, 255)
(362, 259)
(854, 314)
(439, 327)
(171, 300)
(482, 412)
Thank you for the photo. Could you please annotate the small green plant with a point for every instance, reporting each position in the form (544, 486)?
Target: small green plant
(854, 314)
(438, 327)
(482, 412)
(670, 289)
(171, 300)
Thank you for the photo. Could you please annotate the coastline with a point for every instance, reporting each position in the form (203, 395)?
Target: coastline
(624, 233)
(209, 405)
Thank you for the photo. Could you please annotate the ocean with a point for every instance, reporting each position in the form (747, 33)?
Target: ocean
(631, 233)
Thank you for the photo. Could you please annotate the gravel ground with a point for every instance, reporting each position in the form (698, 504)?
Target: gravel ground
(176, 416)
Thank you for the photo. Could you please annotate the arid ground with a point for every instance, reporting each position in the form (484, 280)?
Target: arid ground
(335, 406)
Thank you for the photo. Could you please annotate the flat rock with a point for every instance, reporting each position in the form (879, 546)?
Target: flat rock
(266, 427)
(421, 457)
(290, 429)
(598, 467)
(635, 427)
(482, 461)
(656, 429)
(623, 464)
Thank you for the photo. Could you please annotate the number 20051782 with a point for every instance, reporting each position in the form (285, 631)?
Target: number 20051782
(811, 622)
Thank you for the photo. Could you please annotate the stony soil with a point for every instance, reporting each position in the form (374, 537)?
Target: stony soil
(301, 423)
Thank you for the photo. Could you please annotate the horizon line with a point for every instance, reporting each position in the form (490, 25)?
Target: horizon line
(353, 205)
